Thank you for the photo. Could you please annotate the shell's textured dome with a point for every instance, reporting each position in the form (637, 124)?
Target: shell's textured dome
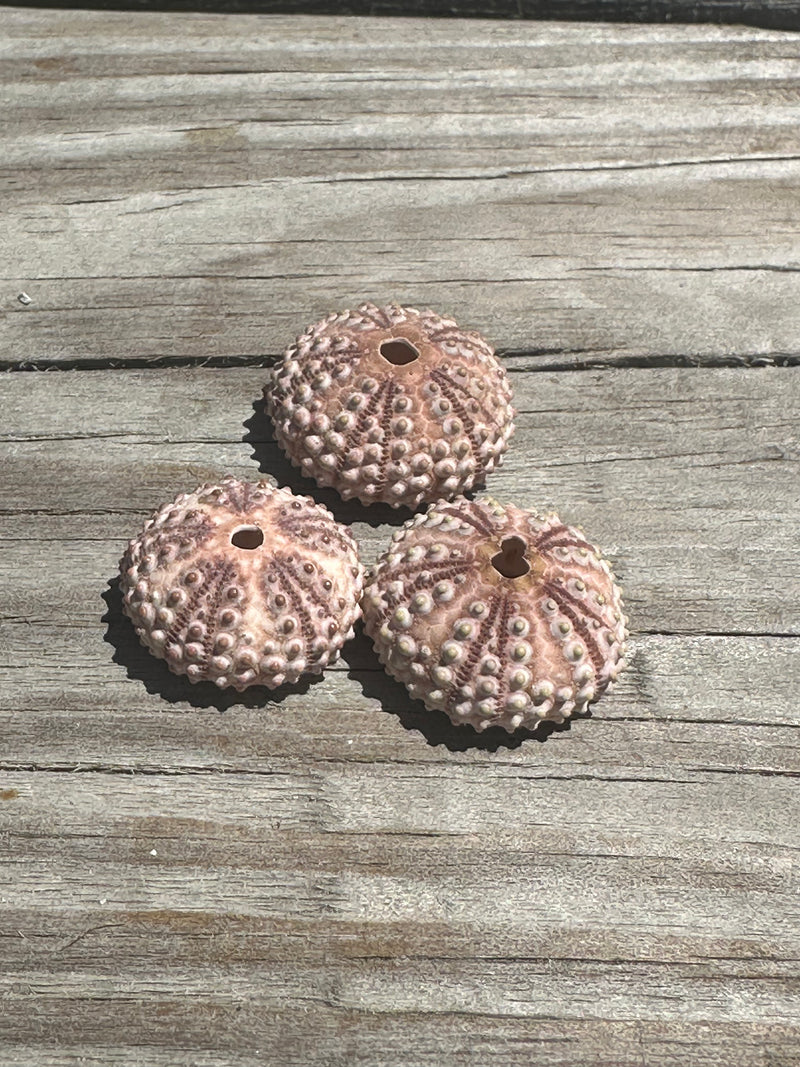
(391, 404)
(243, 584)
(495, 615)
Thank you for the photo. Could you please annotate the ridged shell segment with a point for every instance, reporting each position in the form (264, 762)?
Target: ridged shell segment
(487, 648)
(351, 413)
(243, 584)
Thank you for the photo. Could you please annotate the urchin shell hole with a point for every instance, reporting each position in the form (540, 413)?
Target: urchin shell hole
(248, 537)
(510, 560)
(399, 352)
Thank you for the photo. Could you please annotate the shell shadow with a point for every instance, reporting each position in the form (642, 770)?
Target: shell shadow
(158, 680)
(435, 726)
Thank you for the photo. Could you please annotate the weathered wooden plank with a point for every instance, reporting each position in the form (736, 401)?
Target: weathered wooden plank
(328, 876)
(199, 186)
(478, 1041)
(688, 709)
(687, 479)
(292, 825)
(338, 877)
(304, 897)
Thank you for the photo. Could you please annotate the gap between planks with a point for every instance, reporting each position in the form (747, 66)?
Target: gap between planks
(534, 360)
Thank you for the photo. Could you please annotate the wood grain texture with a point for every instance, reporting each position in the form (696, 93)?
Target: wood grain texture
(330, 875)
(687, 479)
(197, 188)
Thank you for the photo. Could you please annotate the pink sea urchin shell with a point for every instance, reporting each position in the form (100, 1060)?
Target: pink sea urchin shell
(495, 615)
(243, 584)
(391, 404)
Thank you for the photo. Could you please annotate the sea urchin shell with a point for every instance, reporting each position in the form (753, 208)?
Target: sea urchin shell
(391, 404)
(495, 615)
(242, 584)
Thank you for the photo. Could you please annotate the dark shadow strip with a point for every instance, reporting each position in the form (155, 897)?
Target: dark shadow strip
(768, 14)
(521, 361)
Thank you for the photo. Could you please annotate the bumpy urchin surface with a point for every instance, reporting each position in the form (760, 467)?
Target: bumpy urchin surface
(495, 615)
(243, 584)
(391, 404)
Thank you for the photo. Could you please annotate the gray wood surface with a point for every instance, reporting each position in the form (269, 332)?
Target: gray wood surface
(335, 876)
(684, 477)
(329, 876)
(200, 187)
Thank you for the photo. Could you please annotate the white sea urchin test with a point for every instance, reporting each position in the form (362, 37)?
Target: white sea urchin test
(243, 584)
(391, 404)
(495, 615)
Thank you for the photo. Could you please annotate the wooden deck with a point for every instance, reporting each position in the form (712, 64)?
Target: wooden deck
(330, 876)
